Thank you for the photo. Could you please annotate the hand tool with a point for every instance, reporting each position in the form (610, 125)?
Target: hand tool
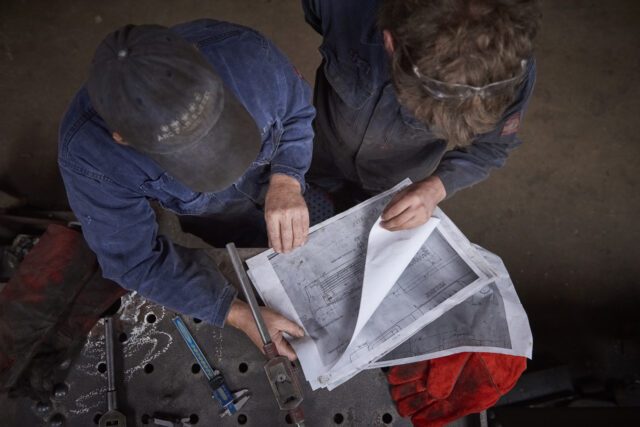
(230, 402)
(280, 372)
(112, 418)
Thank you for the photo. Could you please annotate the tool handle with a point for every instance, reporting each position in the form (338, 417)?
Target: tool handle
(111, 379)
(270, 350)
(111, 400)
(248, 292)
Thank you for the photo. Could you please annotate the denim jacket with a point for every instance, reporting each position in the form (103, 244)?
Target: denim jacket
(368, 135)
(110, 186)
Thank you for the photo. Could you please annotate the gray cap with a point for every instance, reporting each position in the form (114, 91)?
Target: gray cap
(166, 101)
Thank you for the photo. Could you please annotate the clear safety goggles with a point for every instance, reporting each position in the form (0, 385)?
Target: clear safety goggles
(444, 90)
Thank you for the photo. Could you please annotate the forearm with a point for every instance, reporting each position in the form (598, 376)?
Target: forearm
(462, 168)
(435, 187)
(285, 181)
(239, 314)
(182, 279)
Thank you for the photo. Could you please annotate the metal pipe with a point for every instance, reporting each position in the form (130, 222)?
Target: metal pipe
(38, 222)
(245, 284)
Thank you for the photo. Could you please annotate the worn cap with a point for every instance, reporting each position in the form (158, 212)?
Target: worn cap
(165, 100)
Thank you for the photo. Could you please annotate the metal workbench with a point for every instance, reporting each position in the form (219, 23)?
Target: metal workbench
(156, 374)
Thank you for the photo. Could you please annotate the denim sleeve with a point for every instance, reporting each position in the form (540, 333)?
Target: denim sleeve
(120, 227)
(464, 167)
(293, 155)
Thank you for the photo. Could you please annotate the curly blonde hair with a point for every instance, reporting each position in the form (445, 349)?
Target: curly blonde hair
(472, 42)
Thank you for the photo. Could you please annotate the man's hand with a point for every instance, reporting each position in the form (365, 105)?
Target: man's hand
(286, 214)
(414, 205)
(240, 317)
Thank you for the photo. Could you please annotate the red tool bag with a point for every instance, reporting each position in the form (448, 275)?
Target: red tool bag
(46, 311)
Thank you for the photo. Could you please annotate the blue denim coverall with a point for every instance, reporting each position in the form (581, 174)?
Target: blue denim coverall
(363, 135)
(110, 186)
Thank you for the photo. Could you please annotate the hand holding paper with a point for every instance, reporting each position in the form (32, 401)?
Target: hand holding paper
(414, 205)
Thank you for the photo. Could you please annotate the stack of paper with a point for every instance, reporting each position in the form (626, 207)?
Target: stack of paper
(367, 297)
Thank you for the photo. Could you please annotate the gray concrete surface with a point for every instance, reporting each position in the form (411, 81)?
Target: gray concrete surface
(562, 213)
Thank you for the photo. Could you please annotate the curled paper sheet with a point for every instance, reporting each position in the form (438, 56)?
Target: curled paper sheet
(388, 255)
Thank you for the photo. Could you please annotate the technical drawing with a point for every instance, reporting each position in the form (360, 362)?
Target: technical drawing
(480, 321)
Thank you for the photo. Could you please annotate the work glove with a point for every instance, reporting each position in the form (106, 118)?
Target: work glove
(439, 391)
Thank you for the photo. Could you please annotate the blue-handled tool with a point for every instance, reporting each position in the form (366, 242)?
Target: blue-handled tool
(230, 402)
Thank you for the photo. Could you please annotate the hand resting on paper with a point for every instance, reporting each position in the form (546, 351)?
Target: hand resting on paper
(240, 317)
(286, 214)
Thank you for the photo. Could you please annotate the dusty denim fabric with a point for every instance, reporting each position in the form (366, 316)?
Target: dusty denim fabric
(110, 186)
(363, 135)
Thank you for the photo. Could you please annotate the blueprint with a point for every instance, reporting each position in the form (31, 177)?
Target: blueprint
(478, 321)
(492, 320)
(320, 286)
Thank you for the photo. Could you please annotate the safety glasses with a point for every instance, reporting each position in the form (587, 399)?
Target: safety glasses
(443, 90)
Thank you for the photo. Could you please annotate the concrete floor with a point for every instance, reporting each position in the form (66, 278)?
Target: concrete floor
(562, 213)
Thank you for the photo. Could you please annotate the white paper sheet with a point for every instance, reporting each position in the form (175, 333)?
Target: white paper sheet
(388, 255)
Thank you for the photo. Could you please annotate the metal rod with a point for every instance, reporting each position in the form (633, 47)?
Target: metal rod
(248, 292)
(111, 379)
(39, 222)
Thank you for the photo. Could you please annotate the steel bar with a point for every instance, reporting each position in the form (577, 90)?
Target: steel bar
(248, 292)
